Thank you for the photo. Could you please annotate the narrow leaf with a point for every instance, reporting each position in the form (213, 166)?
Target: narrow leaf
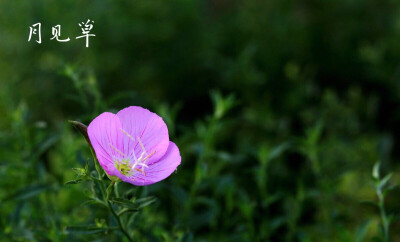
(375, 170)
(28, 192)
(146, 202)
(90, 202)
(88, 229)
(77, 181)
(127, 210)
(362, 231)
(385, 180)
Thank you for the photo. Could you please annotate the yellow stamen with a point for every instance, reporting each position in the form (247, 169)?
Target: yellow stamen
(141, 170)
(126, 133)
(149, 156)
(117, 150)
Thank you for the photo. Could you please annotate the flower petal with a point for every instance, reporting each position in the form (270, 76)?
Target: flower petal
(160, 170)
(104, 134)
(149, 127)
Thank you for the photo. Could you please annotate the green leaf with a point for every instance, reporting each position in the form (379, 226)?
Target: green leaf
(362, 231)
(375, 170)
(88, 229)
(123, 202)
(87, 167)
(28, 192)
(91, 202)
(136, 204)
(277, 151)
(77, 181)
(144, 202)
(128, 210)
(222, 104)
(110, 188)
(277, 223)
(44, 146)
(79, 171)
(385, 180)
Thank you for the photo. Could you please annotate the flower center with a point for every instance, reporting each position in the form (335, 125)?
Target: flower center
(123, 166)
(129, 164)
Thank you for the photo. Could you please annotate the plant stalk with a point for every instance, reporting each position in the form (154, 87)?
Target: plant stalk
(385, 221)
(119, 221)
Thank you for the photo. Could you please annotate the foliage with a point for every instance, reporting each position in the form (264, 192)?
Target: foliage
(280, 110)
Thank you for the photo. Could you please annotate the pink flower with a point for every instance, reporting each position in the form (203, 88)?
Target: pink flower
(134, 146)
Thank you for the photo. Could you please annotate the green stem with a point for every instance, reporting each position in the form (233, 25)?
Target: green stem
(109, 190)
(96, 164)
(119, 221)
(98, 169)
(385, 221)
(106, 195)
(116, 189)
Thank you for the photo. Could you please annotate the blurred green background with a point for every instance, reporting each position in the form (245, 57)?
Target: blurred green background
(280, 109)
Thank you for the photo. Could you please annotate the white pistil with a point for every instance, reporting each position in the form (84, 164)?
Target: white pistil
(144, 156)
(141, 145)
(141, 161)
(147, 157)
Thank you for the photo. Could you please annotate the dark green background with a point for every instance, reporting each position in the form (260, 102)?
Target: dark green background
(280, 109)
